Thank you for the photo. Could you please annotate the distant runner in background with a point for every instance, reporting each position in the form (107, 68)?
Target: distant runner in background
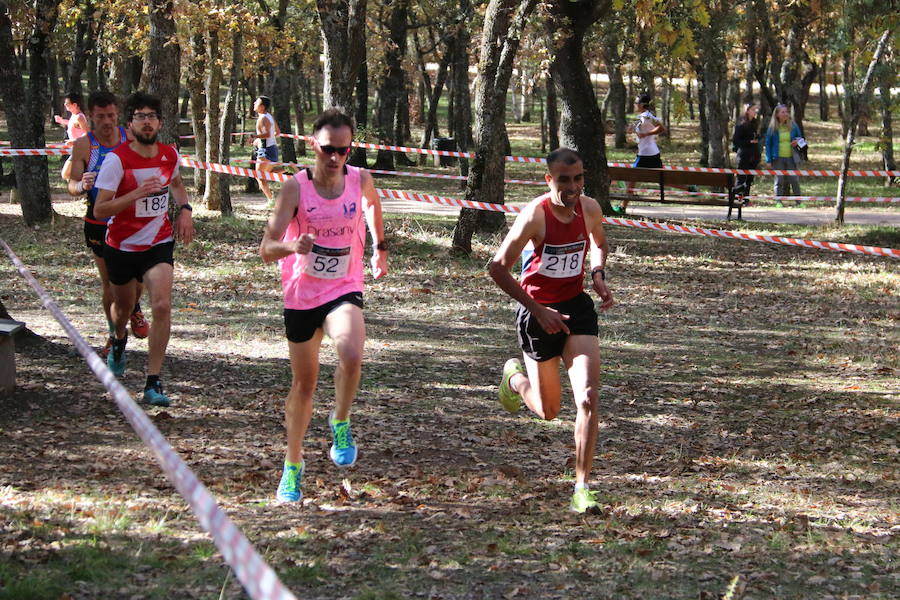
(266, 142)
(76, 125)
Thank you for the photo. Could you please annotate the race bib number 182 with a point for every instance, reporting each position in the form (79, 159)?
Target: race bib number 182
(328, 263)
(153, 206)
(562, 261)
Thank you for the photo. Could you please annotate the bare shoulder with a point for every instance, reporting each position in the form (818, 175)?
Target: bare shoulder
(592, 210)
(81, 147)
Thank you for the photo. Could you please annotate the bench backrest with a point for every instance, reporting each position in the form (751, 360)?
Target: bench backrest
(662, 176)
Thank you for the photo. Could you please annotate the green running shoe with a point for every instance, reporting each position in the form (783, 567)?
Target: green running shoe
(510, 400)
(584, 500)
(289, 488)
(343, 448)
(116, 361)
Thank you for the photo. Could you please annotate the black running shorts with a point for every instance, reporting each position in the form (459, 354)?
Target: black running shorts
(301, 325)
(648, 162)
(125, 266)
(539, 345)
(95, 237)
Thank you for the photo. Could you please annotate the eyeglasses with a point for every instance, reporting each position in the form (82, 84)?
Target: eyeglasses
(339, 150)
(145, 116)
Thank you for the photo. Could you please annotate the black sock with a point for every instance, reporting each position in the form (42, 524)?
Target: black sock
(152, 382)
(137, 307)
(119, 345)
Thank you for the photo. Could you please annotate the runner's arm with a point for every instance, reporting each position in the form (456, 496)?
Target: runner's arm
(184, 217)
(599, 251)
(108, 179)
(76, 165)
(375, 221)
(272, 247)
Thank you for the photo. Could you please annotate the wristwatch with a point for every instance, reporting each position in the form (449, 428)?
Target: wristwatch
(186, 206)
(382, 245)
(599, 270)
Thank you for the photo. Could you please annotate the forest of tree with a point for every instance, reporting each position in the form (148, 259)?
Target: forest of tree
(389, 63)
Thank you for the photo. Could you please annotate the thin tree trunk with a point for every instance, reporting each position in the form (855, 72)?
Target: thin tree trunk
(887, 79)
(392, 85)
(229, 117)
(196, 76)
(504, 22)
(461, 115)
(435, 98)
(343, 25)
(823, 89)
(860, 105)
(552, 114)
(212, 196)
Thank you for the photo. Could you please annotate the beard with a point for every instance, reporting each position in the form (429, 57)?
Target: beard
(144, 138)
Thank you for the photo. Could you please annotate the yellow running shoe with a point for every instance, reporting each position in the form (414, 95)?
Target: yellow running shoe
(510, 400)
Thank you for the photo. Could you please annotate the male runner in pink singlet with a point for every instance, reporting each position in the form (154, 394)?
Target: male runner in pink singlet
(136, 181)
(555, 318)
(317, 234)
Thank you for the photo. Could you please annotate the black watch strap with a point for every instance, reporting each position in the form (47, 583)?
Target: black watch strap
(186, 206)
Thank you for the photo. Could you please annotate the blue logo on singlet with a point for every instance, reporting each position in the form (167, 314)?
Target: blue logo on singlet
(349, 210)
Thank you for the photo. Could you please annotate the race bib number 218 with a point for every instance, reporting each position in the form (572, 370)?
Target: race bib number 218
(560, 261)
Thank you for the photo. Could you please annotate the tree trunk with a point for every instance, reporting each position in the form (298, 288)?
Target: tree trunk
(84, 41)
(393, 84)
(228, 118)
(343, 24)
(704, 121)
(887, 79)
(435, 98)
(212, 196)
(618, 96)
(358, 157)
(504, 22)
(297, 100)
(162, 73)
(823, 89)
(461, 115)
(196, 75)
(282, 90)
(860, 105)
(25, 109)
(552, 114)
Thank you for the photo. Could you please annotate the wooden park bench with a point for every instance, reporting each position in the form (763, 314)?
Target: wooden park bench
(8, 329)
(662, 178)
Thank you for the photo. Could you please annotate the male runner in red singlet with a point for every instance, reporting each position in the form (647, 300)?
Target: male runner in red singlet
(556, 318)
(135, 182)
(317, 234)
(80, 172)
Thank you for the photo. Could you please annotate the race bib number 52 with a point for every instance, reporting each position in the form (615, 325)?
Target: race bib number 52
(328, 263)
(563, 260)
(153, 206)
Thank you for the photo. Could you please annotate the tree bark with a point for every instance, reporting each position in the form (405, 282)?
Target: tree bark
(434, 98)
(887, 79)
(196, 74)
(581, 126)
(392, 86)
(823, 89)
(162, 73)
(618, 97)
(552, 114)
(504, 22)
(461, 115)
(25, 108)
(84, 41)
(343, 25)
(229, 117)
(860, 105)
(212, 196)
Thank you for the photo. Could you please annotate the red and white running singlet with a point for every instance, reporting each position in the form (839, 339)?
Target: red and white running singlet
(334, 266)
(554, 272)
(146, 222)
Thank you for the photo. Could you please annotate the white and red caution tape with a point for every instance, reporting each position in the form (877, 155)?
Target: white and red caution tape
(34, 151)
(257, 577)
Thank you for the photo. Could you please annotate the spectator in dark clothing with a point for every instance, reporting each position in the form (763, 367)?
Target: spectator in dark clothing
(746, 142)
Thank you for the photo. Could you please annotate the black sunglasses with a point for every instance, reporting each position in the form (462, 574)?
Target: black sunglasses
(339, 150)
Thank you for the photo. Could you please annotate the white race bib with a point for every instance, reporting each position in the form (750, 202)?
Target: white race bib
(153, 206)
(327, 263)
(562, 261)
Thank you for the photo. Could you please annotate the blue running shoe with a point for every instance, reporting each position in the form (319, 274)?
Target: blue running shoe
(343, 449)
(154, 396)
(289, 488)
(116, 361)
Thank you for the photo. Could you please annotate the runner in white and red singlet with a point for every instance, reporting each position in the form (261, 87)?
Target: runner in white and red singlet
(136, 182)
(80, 171)
(556, 320)
(317, 234)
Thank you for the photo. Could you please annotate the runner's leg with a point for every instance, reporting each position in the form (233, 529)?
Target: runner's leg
(298, 406)
(346, 327)
(158, 280)
(581, 357)
(541, 390)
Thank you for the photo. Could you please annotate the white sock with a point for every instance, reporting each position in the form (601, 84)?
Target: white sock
(580, 486)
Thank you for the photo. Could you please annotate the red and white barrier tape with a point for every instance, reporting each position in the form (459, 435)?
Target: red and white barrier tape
(888, 199)
(258, 579)
(34, 151)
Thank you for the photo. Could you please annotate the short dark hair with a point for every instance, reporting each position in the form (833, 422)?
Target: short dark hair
(266, 101)
(564, 155)
(333, 117)
(101, 98)
(75, 98)
(140, 100)
(644, 100)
